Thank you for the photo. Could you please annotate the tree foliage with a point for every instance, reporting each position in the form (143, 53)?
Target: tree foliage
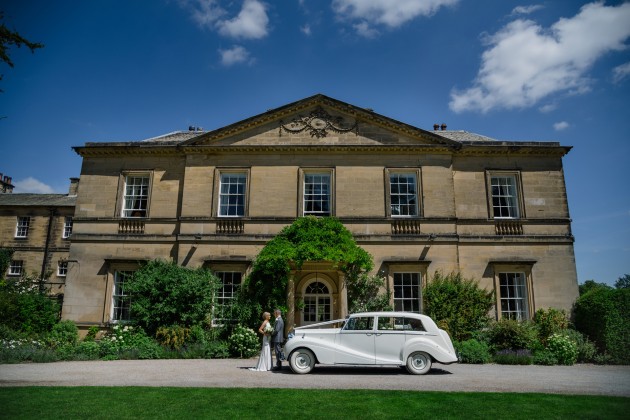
(603, 314)
(366, 294)
(10, 38)
(623, 282)
(589, 285)
(307, 239)
(457, 304)
(165, 294)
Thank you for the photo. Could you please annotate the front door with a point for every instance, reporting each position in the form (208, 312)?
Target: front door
(317, 303)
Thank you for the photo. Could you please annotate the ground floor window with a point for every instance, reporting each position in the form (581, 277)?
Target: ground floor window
(62, 268)
(513, 296)
(407, 292)
(230, 283)
(121, 300)
(16, 268)
(317, 303)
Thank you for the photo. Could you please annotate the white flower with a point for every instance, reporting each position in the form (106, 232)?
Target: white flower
(126, 328)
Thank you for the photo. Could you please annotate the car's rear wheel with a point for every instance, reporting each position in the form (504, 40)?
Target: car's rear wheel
(419, 363)
(302, 361)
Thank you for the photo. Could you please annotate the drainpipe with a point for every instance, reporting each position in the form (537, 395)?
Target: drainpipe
(51, 214)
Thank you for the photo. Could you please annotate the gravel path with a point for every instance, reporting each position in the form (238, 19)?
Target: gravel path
(578, 379)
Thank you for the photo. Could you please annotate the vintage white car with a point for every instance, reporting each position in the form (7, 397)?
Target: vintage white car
(371, 339)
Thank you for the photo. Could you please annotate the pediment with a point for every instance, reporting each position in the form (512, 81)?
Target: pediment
(319, 121)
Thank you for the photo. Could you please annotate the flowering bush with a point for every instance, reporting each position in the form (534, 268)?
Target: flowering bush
(563, 348)
(244, 342)
(129, 342)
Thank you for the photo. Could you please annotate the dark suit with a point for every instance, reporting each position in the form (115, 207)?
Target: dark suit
(277, 338)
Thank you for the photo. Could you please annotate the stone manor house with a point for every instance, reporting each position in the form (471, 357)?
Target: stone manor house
(417, 200)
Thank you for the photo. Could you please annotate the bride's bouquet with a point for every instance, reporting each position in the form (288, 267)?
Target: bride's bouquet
(268, 329)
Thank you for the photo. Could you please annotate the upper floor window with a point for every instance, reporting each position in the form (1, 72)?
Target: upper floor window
(232, 194)
(121, 300)
(21, 229)
(62, 268)
(407, 292)
(513, 296)
(317, 194)
(16, 268)
(505, 203)
(67, 227)
(136, 196)
(403, 194)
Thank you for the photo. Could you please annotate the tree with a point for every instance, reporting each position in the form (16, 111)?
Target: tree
(165, 294)
(457, 304)
(9, 38)
(590, 285)
(623, 282)
(307, 239)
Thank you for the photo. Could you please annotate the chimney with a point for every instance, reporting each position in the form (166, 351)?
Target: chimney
(436, 126)
(443, 127)
(74, 186)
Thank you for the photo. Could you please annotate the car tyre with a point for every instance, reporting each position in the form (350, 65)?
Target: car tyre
(418, 363)
(302, 361)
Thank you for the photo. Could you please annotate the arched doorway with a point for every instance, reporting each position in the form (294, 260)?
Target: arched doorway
(318, 300)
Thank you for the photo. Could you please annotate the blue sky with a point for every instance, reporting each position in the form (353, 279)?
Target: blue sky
(514, 70)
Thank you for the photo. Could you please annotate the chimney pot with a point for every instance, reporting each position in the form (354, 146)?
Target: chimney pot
(436, 126)
(443, 127)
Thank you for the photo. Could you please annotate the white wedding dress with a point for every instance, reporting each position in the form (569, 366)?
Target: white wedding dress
(264, 361)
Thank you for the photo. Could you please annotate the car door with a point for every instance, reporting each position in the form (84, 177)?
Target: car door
(389, 340)
(356, 342)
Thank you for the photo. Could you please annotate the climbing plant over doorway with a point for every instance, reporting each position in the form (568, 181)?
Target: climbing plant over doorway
(307, 239)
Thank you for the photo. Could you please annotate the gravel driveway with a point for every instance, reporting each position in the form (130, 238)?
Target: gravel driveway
(578, 379)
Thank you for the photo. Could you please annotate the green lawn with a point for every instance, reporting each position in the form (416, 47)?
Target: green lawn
(184, 403)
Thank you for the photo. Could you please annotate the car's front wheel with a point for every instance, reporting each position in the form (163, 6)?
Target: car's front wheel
(419, 363)
(302, 361)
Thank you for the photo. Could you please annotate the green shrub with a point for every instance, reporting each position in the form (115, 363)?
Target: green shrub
(244, 343)
(545, 357)
(513, 357)
(473, 351)
(24, 308)
(87, 350)
(586, 348)
(458, 304)
(173, 337)
(563, 348)
(129, 342)
(509, 334)
(92, 333)
(603, 314)
(167, 294)
(63, 333)
(218, 350)
(550, 321)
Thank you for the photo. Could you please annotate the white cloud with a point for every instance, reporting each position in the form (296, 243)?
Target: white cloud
(251, 22)
(235, 55)
(363, 29)
(306, 29)
(525, 63)
(562, 125)
(621, 72)
(548, 108)
(526, 10)
(32, 185)
(385, 12)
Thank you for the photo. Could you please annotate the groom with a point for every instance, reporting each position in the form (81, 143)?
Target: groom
(277, 338)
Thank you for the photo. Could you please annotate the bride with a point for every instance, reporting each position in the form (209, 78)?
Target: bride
(264, 361)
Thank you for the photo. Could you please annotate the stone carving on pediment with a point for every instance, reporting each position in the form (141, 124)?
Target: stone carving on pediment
(318, 123)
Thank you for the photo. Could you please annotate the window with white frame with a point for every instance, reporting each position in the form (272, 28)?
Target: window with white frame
(230, 283)
(513, 296)
(403, 194)
(317, 194)
(407, 292)
(232, 189)
(16, 268)
(317, 303)
(505, 204)
(136, 196)
(62, 268)
(21, 229)
(67, 227)
(121, 300)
